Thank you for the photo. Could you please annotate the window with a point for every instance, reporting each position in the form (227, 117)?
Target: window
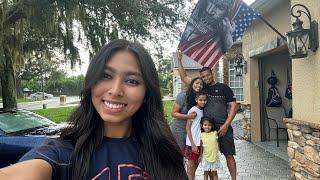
(235, 82)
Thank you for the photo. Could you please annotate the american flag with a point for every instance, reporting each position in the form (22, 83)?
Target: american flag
(213, 27)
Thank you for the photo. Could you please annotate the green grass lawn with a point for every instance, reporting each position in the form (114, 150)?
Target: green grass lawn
(62, 114)
(57, 115)
(167, 105)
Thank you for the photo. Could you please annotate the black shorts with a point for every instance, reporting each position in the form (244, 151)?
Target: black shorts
(226, 142)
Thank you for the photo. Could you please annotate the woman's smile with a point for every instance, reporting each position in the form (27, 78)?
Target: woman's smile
(112, 107)
(197, 85)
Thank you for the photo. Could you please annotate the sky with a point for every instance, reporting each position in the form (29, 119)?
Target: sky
(84, 55)
(249, 1)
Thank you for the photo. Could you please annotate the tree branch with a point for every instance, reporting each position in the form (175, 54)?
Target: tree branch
(17, 12)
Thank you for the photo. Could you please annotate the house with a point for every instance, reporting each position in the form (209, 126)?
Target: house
(264, 51)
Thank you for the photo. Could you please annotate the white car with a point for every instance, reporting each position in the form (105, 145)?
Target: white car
(39, 95)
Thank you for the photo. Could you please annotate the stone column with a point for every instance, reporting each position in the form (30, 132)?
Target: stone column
(246, 122)
(303, 149)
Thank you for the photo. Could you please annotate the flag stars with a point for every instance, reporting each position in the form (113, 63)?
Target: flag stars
(242, 20)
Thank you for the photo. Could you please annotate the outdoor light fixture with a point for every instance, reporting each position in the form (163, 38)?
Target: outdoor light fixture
(300, 39)
(240, 65)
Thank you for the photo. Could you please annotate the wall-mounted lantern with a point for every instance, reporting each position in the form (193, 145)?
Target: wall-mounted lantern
(240, 65)
(300, 40)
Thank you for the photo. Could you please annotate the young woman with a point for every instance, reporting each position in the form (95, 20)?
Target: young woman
(118, 131)
(183, 102)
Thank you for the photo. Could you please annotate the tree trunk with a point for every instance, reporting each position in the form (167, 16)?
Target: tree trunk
(7, 77)
(18, 87)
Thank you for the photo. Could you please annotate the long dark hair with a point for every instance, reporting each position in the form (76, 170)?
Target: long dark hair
(159, 152)
(191, 94)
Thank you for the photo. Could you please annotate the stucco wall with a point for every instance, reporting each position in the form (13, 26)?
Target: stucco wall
(306, 75)
(257, 36)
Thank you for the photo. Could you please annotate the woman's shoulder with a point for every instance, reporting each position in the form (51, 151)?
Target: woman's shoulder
(181, 99)
(55, 151)
(59, 144)
(182, 94)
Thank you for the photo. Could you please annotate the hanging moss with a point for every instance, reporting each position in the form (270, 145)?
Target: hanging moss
(29, 27)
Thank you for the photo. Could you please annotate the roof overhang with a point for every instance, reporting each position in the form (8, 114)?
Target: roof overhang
(264, 6)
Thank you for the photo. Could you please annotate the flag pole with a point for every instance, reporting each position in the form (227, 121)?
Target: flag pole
(274, 29)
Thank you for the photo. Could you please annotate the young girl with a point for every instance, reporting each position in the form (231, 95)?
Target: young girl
(118, 131)
(209, 150)
(193, 129)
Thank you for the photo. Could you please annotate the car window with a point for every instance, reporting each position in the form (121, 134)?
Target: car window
(21, 121)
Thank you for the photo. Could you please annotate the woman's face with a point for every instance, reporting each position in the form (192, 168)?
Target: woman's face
(197, 85)
(121, 91)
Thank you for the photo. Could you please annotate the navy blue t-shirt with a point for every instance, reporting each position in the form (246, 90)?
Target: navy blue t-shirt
(117, 158)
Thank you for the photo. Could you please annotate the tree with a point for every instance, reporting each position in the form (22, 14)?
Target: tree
(164, 68)
(164, 72)
(39, 70)
(57, 85)
(28, 27)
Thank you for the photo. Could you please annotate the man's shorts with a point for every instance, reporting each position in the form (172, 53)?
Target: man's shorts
(190, 155)
(226, 142)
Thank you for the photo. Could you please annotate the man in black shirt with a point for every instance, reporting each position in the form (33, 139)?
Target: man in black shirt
(220, 97)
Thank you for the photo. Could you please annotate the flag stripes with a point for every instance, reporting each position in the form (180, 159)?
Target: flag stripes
(207, 48)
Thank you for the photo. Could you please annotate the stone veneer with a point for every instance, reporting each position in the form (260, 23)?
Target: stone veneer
(303, 149)
(246, 122)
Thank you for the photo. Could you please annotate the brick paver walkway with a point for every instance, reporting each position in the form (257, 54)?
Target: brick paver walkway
(253, 163)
